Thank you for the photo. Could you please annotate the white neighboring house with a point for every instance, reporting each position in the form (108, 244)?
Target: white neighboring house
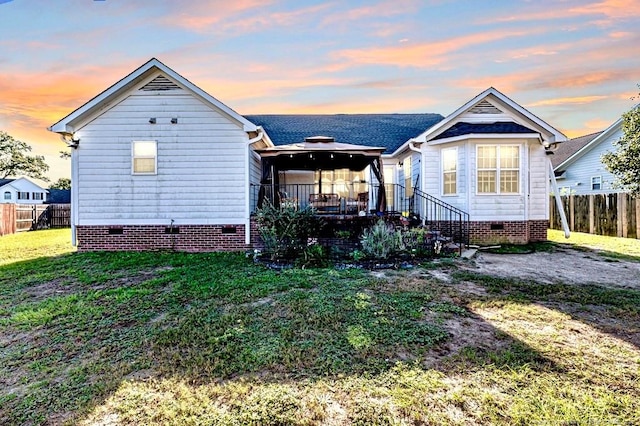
(488, 158)
(21, 191)
(577, 163)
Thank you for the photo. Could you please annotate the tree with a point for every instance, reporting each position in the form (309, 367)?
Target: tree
(62, 183)
(14, 160)
(624, 162)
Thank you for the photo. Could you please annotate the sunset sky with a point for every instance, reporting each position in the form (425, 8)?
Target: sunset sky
(575, 64)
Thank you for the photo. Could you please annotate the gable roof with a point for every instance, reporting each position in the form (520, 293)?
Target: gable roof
(570, 147)
(463, 128)
(389, 131)
(553, 135)
(66, 125)
(600, 137)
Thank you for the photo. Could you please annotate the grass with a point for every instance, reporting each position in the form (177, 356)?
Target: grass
(620, 248)
(176, 338)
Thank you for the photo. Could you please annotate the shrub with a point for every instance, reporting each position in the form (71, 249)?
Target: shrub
(286, 231)
(382, 241)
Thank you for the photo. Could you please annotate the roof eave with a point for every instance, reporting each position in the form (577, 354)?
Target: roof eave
(484, 136)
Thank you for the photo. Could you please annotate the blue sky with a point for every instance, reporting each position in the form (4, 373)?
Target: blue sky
(575, 64)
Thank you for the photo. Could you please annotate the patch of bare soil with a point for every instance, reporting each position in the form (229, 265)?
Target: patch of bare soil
(564, 265)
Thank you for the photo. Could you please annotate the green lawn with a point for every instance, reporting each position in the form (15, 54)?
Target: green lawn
(175, 338)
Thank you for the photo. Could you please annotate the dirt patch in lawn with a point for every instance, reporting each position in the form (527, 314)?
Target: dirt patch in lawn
(563, 265)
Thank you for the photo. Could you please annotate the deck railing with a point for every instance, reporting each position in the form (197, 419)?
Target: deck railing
(360, 198)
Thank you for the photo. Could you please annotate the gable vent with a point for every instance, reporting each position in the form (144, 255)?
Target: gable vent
(485, 107)
(160, 83)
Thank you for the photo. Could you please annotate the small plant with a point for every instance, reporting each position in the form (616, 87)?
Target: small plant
(382, 241)
(314, 255)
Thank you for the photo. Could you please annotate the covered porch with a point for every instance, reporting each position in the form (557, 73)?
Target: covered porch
(325, 175)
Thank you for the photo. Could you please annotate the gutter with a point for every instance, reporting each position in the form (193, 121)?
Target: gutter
(423, 182)
(247, 195)
(556, 193)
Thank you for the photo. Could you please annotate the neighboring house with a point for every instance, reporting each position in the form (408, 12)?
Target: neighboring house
(159, 163)
(21, 191)
(577, 164)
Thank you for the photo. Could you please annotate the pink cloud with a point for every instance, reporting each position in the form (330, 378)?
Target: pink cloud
(421, 55)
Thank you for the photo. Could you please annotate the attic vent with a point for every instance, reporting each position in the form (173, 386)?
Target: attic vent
(485, 107)
(160, 83)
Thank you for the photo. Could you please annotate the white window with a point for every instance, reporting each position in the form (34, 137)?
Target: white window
(596, 183)
(144, 158)
(23, 195)
(450, 171)
(498, 169)
(37, 196)
(7, 195)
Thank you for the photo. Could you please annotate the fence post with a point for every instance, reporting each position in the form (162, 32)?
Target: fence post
(638, 217)
(572, 212)
(620, 216)
(592, 215)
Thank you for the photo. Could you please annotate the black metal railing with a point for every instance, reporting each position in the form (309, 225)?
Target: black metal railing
(360, 199)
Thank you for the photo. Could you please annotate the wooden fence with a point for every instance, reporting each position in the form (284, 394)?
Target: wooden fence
(614, 215)
(26, 217)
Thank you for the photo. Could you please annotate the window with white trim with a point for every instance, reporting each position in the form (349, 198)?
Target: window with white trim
(498, 169)
(144, 157)
(596, 183)
(7, 195)
(23, 195)
(37, 196)
(450, 171)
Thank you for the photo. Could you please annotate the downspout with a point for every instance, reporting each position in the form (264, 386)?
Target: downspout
(73, 144)
(556, 193)
(423, 201)
(247, 179)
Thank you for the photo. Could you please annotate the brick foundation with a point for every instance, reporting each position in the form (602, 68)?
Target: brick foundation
(505, 232)
(189, 238)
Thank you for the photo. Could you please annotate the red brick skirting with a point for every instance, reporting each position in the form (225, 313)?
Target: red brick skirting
(504, 232)
(190, 238)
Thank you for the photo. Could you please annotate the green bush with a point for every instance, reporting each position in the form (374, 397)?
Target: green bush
(382, 241)
(286, 231)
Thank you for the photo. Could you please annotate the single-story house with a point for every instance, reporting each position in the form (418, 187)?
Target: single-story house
(158, 163)
(21, 191)
(577, 165)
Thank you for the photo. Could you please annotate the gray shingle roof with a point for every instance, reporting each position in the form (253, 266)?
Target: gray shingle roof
(3, 182)
(383, 130)
(463, 128)
(59, 196)
(570, 147)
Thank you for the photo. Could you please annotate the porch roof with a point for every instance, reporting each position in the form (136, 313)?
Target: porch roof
(320, 153)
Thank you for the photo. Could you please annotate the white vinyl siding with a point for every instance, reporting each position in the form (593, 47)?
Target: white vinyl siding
(144, 157)
(450, 171)
(201, 164)
(498, 169)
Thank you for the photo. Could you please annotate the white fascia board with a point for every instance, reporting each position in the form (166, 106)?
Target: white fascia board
(594, 142)
(470, 136)
(63, 126)
(451, 118)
